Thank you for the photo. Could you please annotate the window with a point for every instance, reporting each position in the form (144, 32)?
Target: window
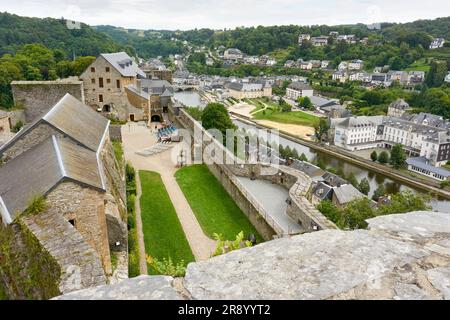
(92, 69)
(118, 84)
(93, 80)
(108, 80)
(100, 82)
(2, 129)
(100, 98)
(107, 69)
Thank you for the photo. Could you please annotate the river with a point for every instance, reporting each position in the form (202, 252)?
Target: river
(192, 98)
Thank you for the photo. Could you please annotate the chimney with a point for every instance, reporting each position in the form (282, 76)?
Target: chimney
(138, 85)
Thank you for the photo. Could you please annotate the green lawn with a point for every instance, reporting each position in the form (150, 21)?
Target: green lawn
(163, 234)
(215, 210)
(293, 117)
(419, 65)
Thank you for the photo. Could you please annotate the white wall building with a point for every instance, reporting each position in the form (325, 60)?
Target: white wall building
(298, 89)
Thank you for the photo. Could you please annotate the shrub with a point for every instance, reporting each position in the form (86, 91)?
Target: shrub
(383, 158)
(374, 156)
(225, 246)
(167, 266)
(36, 205)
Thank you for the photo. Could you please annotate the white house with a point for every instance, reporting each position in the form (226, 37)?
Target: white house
(356, 64)
(306, 65)
(319, 41)
(324, 64)
(298, 89)
(437, 43)
(447, 77)
(303, 37)
(340, 76)
(357, 133)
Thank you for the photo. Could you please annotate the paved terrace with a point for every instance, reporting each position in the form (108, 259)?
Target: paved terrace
(272, 198)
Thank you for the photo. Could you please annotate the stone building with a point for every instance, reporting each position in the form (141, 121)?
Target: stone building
(37, 97)
(105, 81)
(66, 157)
(152, 97)
(398, 108)
(249, 90)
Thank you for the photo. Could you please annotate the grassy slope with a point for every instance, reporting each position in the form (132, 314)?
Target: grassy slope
(163, 234)
(214, 208)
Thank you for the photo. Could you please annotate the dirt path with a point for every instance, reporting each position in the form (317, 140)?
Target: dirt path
(293, 129)
(136, 138)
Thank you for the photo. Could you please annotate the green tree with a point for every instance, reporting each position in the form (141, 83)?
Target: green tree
(383, 158)
(215, 116)
(374, 156)
(436, 75)
(398, 156)
(379, 192)
(351, 178)
(305, 102)
(364, 186)
(321, 129)
(303, 157)
(405, 201)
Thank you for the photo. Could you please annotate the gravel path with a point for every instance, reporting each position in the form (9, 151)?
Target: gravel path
(137, 137)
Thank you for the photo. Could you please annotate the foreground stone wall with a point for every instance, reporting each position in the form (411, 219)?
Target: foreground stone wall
(37, 97)
(400, 257)
(79, 264)
(27, 270)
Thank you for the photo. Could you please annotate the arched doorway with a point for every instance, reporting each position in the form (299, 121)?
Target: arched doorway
(156, 118)
(106, 108)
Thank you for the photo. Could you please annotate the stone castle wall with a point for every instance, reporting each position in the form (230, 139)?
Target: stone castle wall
(298, 184)
(37, 97)
(400, 257)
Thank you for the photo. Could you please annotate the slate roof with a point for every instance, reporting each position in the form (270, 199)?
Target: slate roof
(346, 193)
(322, 191)
(39, 169)
(299, 86)
(422, 163)
(123, 63)
(157, 87)
(245, 86)
(74, 119)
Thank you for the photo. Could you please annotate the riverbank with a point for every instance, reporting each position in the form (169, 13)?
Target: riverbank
(417, 183)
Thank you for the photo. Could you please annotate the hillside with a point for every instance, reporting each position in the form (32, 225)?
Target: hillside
(15, 31)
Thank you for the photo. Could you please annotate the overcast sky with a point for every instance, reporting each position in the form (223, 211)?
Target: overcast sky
(218, 14)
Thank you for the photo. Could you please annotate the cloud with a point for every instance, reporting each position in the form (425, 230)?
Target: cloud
(182, 14)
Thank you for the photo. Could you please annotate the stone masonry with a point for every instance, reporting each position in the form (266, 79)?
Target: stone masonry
(80, 268)
(37, 97)
(400, 257)
(86, 209)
